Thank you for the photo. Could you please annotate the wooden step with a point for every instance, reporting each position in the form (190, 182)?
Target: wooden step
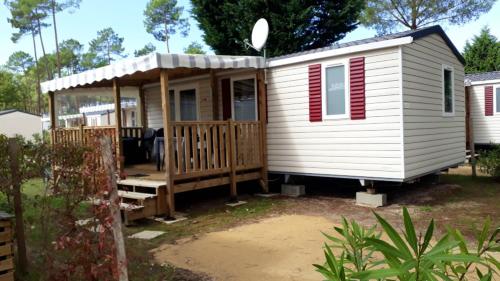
(130, 207)
(142, 183)
(135, 195)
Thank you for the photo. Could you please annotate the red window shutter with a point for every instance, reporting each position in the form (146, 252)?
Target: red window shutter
(357, 87)
(315, 108)
(488, 100)
(226, 98)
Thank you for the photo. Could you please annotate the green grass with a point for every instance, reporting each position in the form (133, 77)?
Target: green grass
(141, 264)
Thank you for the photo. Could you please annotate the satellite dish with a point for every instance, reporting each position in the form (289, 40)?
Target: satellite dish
(259, 34)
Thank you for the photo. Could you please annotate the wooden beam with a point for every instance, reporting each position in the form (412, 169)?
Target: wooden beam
(52, 115)
(263, 128)
(215, 95)
(142, 101)
(118, 124)
(169, 152)
(232, 160)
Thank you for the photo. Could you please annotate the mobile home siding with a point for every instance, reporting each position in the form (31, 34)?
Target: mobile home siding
(153, 101)
(431, 141)
(369, 148)
(486, 128)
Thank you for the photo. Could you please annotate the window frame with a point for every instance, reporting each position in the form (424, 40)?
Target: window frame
(232, 79)
(324, 103)
(495, 88)
(177, 99)
(443, 89)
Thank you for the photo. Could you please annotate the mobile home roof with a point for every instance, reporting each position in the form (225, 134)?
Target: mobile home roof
(378, 42)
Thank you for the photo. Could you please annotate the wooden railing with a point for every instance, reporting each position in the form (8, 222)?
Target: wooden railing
(205, 148)
(132, 132)
(82, 135)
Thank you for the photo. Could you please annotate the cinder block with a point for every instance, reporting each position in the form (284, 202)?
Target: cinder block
(293, 190)
(371, 200)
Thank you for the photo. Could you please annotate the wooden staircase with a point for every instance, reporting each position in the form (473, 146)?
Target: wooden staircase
(142, 198)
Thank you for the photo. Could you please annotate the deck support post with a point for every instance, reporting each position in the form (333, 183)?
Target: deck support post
(168, 149)
(118, 124)
(263, 129)
(142, 101)
(232, 160)
(52, 116)
(215, 95)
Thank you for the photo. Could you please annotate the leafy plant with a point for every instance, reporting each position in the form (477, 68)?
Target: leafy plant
(366, 256)
(489, 162)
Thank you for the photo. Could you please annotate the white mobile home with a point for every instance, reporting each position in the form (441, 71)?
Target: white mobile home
(16, 122)
(484, 105)
(388, 108)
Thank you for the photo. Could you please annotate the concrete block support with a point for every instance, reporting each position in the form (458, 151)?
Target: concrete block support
(371, 200)
(293, 190)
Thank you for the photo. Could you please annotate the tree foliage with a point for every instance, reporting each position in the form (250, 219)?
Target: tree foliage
(71, 55)
(483, 54)
(194, 48)
(388, 15)
(295, 25)
(107, 46)
(147, 49)
(163, 18)
(20, 62)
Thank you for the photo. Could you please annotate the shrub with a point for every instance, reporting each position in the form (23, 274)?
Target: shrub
(489, 162)
(365, 256)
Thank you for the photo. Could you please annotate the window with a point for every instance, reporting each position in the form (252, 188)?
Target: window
(497, 99)
(334, 92)
(132, 118)
(188, 106)
(448, 91)
(244, 99)
(171, 98)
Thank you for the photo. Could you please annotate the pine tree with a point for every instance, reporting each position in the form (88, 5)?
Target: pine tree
(483, 54)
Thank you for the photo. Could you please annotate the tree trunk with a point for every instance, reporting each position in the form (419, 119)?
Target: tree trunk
(55, 36)
(116, 224)
(49, 76)
(22, 257)
(38, 90)
(166, 38)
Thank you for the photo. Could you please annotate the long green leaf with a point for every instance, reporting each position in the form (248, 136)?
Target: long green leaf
(385, 248)
(453, 258)
(428, 236)
(411, 236)
(376, 274)
(483, 235)
(394, 236)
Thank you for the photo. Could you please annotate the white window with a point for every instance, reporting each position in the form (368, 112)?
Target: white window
(183, 104)
(497, 99)
(244, 96)
(448, 91)
(132, 118)
(335, 91)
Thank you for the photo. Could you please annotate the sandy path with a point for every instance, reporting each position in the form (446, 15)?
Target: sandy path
(279, 248)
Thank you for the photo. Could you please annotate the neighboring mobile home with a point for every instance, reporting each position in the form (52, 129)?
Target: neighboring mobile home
(388, 108)
(16, 122)
(484, 105)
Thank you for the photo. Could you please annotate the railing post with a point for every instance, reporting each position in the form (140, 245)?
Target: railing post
(81, 134)
(262, 132)
(232, 160)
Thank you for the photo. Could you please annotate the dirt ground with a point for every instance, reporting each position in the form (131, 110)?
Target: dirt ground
(277, 248)
(283, 243)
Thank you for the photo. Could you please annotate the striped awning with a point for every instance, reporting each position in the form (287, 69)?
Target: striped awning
(150, 62)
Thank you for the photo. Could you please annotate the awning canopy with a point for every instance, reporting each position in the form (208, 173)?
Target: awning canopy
(149, 63)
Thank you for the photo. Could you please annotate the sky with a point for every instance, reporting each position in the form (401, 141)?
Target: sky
(126, 18)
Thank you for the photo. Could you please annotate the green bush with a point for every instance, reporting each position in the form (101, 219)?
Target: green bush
(489, 162)
(409, 257)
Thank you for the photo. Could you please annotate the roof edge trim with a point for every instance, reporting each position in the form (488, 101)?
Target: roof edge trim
(342, 51)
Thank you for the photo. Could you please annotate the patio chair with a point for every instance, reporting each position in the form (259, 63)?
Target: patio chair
(147, 142)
